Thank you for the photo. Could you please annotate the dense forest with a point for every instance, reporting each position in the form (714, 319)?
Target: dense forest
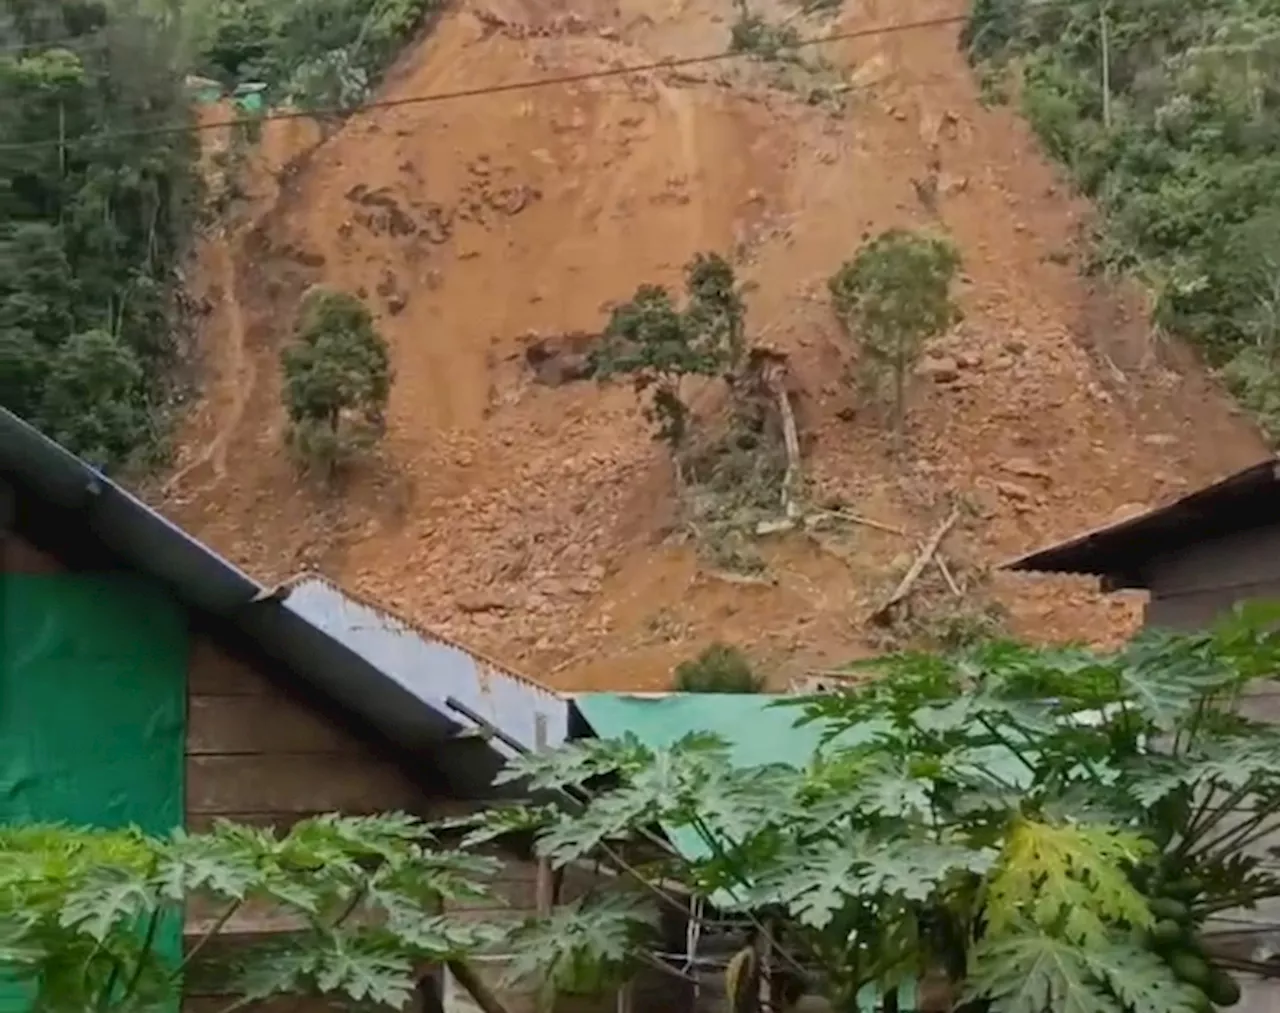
(1165, 113)
(98, 192)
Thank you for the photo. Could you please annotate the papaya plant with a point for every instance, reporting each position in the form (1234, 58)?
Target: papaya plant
(1049, 829)
(91, 919)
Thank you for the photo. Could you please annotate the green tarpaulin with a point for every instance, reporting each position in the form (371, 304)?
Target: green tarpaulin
(757, 732)
(92, 706)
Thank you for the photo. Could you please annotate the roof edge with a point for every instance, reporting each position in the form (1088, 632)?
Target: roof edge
(1064, 557)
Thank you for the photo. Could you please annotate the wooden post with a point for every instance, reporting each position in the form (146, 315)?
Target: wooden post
(625, 998)
(545, 882)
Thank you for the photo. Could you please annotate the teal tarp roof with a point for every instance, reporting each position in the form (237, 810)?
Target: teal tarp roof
(757, 732)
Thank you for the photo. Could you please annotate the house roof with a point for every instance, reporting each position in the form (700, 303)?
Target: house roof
(417, 689)
(1120, 553)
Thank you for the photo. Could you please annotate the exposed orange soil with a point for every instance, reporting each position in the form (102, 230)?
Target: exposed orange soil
(537, 523)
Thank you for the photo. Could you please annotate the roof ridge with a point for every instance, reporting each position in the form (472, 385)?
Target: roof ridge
(420, 628)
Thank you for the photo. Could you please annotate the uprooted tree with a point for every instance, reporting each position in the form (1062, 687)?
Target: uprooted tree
(892, 297)
(1034, 830)
(337, 379)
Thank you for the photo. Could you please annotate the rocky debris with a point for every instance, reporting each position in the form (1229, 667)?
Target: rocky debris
(942, 369)
(1014, 491)
(1026, 468)
(558, 359)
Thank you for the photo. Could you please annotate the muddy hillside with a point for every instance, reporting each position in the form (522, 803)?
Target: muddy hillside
(530, 513)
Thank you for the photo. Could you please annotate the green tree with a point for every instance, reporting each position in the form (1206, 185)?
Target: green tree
(84, 912)
(659, 345)
(1168, 120)
(337, 379)
(94, 398)
(94, 213)
(892, 297)
(1048, 829)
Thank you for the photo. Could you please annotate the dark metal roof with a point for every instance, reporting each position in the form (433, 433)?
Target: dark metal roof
(1120, 553)
(397, 678)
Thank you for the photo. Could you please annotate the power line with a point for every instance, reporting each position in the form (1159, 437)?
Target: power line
(494, 89)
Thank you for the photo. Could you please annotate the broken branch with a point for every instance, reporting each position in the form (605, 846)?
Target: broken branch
(926, 554)
(945, 570)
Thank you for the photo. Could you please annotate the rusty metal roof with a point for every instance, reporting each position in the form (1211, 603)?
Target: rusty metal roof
(1120, 552)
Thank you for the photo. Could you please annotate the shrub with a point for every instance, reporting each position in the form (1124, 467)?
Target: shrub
(720, 668)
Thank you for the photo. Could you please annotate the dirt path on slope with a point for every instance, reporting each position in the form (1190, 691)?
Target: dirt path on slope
(536, 522)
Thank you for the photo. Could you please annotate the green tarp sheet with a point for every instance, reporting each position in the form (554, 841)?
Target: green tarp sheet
(92, 707)
(757, 732)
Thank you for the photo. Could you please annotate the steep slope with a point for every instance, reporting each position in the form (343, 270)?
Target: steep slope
(535, 522)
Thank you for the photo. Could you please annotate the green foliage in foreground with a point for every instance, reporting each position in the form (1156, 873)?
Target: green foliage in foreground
(1051, 828)
(1187, 171)
(81, 911)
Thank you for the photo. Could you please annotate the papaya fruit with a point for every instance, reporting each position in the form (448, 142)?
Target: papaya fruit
(1167, 932)
(1221, 988)
(1167, 907)
(1191, 969)
(1201, 1002)
(1185, 889)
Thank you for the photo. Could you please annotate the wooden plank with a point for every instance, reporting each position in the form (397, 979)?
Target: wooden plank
(296, 783)
(261, 724)
(1244, 557)
(215, 671)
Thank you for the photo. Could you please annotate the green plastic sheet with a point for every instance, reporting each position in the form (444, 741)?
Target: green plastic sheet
(757, 732)
(92, 707)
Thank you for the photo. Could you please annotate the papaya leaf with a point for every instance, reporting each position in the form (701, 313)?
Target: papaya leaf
(575, 763)
(1068, 878)
(1166, 674)
(601, 933)
(1029, 972)
(1142, 981)
(109, 899)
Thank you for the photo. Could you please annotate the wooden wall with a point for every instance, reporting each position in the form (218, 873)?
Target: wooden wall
(1192, 587)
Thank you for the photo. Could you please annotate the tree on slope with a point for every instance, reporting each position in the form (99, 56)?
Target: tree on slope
(659, 345)
(337, 379)
(892, 297)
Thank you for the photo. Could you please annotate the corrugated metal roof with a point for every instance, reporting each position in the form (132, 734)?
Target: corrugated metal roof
(1120, 552)
(400, 678)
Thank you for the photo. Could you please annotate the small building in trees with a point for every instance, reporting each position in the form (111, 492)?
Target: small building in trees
(1197, 558)
(145, 680)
